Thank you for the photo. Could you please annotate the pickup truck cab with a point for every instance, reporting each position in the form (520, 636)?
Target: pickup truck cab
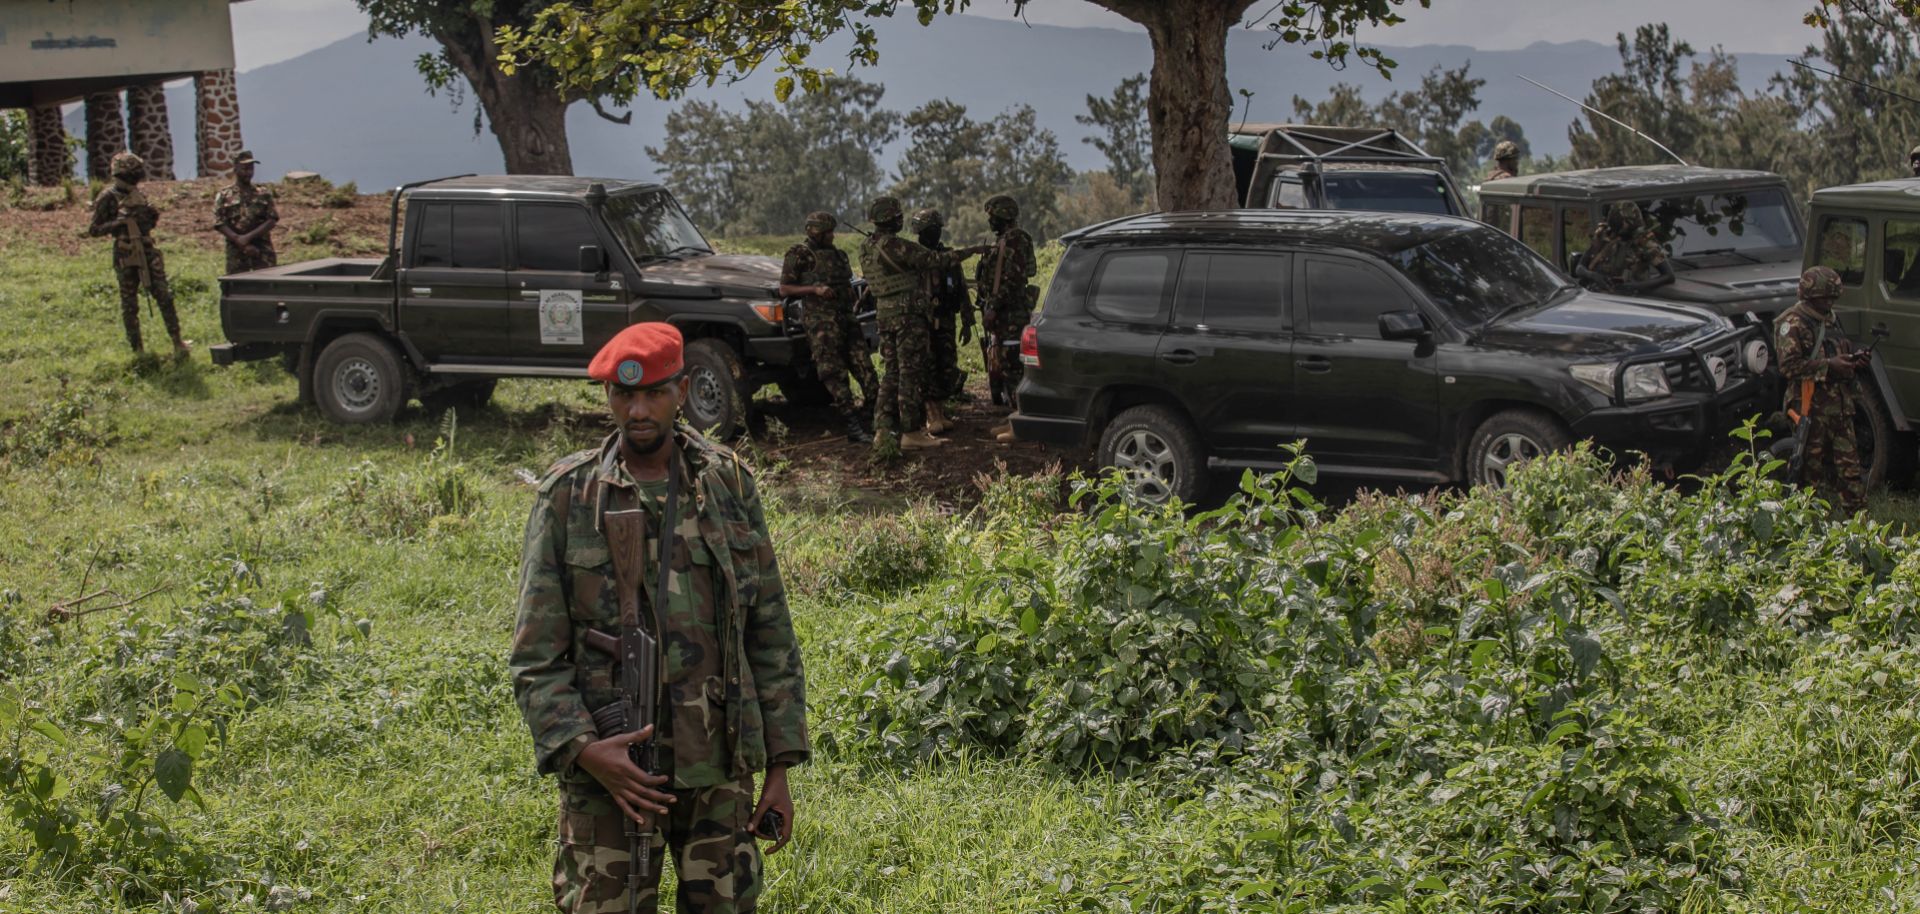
(514, 276)
(1305, 166)
(1732, 236)
(1400, 346)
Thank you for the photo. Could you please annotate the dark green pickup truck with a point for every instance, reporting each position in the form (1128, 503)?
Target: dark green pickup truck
(516, 276)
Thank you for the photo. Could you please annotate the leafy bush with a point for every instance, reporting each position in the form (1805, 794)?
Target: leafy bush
(66, 430)
(890, 555)
(382, 502)
(346, 196)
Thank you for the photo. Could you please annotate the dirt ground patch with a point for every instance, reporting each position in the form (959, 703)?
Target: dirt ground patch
(314, 216)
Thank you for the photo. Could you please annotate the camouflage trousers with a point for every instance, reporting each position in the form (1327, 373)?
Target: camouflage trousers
(946, 380)
(263, 256)
(1004, 324)
(839, 351)
(126, 268)
(716, 863)
(1832, 460)
(904, 383)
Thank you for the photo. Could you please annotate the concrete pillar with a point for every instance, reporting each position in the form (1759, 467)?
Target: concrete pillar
(106, 132)
(217, 115)
(149, 134)
(47, 164)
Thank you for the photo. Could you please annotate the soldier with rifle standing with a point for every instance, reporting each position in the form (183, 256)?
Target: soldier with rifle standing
(649, 588)
(123, 211)
(1006, 301)
(1819, 363)
(952, 314)
(820, 275)
(895, 269)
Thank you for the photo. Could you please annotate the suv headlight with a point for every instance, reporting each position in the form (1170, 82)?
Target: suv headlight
(1644, 381)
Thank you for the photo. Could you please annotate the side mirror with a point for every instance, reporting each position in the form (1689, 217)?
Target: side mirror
(1573, 261)
(1403, 325)
(592, 261)
(1880, 330)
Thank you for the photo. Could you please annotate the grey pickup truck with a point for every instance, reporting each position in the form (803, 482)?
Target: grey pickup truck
(488, 277)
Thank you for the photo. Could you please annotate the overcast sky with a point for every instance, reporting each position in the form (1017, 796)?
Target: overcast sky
(268, 31)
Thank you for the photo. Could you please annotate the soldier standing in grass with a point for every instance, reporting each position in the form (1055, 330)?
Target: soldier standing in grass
(1506, 160)
(1819, 363)
(952, 315)
(123, 211)
(1006, 300)
(820, 274)
(895, 269)
(244, 213)
(731, 693)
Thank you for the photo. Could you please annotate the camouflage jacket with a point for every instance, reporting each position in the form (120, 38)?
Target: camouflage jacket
(1796, 331)
(1003, 273)
(244, 209)
(113, 204)
(806, 265)
(1499, 173)
(946, 286)
(1625, 259)
(895, 268)
(752, 713)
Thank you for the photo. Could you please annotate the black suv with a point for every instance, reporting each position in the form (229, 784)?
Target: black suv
(1401, 346)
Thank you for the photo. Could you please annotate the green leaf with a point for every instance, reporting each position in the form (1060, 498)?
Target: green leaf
(173, 771)
(782, 88)
(192, 740)
(189, 683)
(1030, 622)
(51, 731)
(1431, 884)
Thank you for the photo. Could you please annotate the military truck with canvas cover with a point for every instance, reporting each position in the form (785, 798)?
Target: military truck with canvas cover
(1303, 166)
(488, 277)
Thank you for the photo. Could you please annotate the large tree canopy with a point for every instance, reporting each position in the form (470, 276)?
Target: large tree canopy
(663, 47)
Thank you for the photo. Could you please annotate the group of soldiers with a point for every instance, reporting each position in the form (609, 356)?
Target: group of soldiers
(244, 214)
(924, 316)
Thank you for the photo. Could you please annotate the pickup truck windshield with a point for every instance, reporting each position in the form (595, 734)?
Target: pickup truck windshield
(651, 224)
(1731, 223)
(1480, 273)
(1400, 192)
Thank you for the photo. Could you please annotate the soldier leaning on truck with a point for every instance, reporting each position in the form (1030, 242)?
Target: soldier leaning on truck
(820, 274)
(732, 693)
(1006, 299)
(244, 213)
(123, 211)
(1625, 256)
(1812, 347)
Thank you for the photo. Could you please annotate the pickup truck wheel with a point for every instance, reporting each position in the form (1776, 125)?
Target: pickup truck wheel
(1158, 453)
(359, 378)
(1506, 439)
(715, 404)
(1873, 434)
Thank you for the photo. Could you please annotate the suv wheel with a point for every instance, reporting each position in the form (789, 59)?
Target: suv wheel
(359, 378)
(1507, 438)
(715, 405)
(1158, 452)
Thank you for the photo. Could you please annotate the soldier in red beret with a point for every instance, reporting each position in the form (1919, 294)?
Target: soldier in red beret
(730, 692)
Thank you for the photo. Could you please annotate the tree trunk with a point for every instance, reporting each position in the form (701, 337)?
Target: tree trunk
(1188, 104)
(525, 112)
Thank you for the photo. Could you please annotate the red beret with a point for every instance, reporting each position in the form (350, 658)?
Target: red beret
(640, 356)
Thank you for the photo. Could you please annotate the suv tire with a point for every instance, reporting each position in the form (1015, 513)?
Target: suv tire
(715, 404)
(1158, 450)
(1508, 437)
(359, 379)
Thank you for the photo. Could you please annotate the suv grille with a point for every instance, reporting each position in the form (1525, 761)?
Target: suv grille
(1715, 365)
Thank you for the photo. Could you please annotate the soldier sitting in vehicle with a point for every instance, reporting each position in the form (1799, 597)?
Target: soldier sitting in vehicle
(1625, 256)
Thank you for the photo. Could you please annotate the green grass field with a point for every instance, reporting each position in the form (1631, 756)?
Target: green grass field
(1438, 704)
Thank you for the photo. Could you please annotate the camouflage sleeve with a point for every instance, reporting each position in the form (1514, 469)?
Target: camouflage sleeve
(1793, 347)
(223, 210)
(797, 262)
(773, 651)
(542, 653)
(104, 212)
(272, 211)
(1022, 263)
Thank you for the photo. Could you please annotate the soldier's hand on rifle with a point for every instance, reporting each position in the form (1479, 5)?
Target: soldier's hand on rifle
(1842, 365)
(774, 795)
(633, 790)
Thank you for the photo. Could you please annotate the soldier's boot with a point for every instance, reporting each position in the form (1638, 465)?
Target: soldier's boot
(937, 421)
(857, 428)
(133, 338)
(918, 439)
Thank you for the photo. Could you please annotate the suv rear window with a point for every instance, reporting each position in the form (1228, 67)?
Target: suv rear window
(1234, 291)
(1132, 286)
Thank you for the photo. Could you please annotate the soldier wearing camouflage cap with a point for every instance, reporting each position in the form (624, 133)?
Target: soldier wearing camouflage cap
(952, 320)
(1819, 364)
(124, 212)
(1624, 257)
(895, 270)
(1506, 160)
(1006, 300)
(819, 274)
(731, 693)
(245, 214)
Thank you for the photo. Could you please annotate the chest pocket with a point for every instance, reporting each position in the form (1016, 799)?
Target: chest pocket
(590, 578)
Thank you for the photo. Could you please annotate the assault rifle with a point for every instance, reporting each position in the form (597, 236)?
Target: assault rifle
(135, 239)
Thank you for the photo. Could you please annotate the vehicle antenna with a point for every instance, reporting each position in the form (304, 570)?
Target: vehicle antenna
(1630, 128)
(863, 232)
(1807, 66)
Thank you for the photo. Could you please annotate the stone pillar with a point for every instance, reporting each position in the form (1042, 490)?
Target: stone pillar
(106, 132)
(149, 135)
(47, 164)
(217, 114)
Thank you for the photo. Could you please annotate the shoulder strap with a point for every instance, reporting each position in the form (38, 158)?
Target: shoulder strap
(999, 262)
(669, 521)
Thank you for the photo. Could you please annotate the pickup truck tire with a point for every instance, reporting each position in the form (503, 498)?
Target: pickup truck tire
(1159, 453)
(360, 378)
(1874, 434)
(1509, 437)
(715, 404)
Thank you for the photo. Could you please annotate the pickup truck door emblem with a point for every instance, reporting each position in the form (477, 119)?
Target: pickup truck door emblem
(560, 318)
